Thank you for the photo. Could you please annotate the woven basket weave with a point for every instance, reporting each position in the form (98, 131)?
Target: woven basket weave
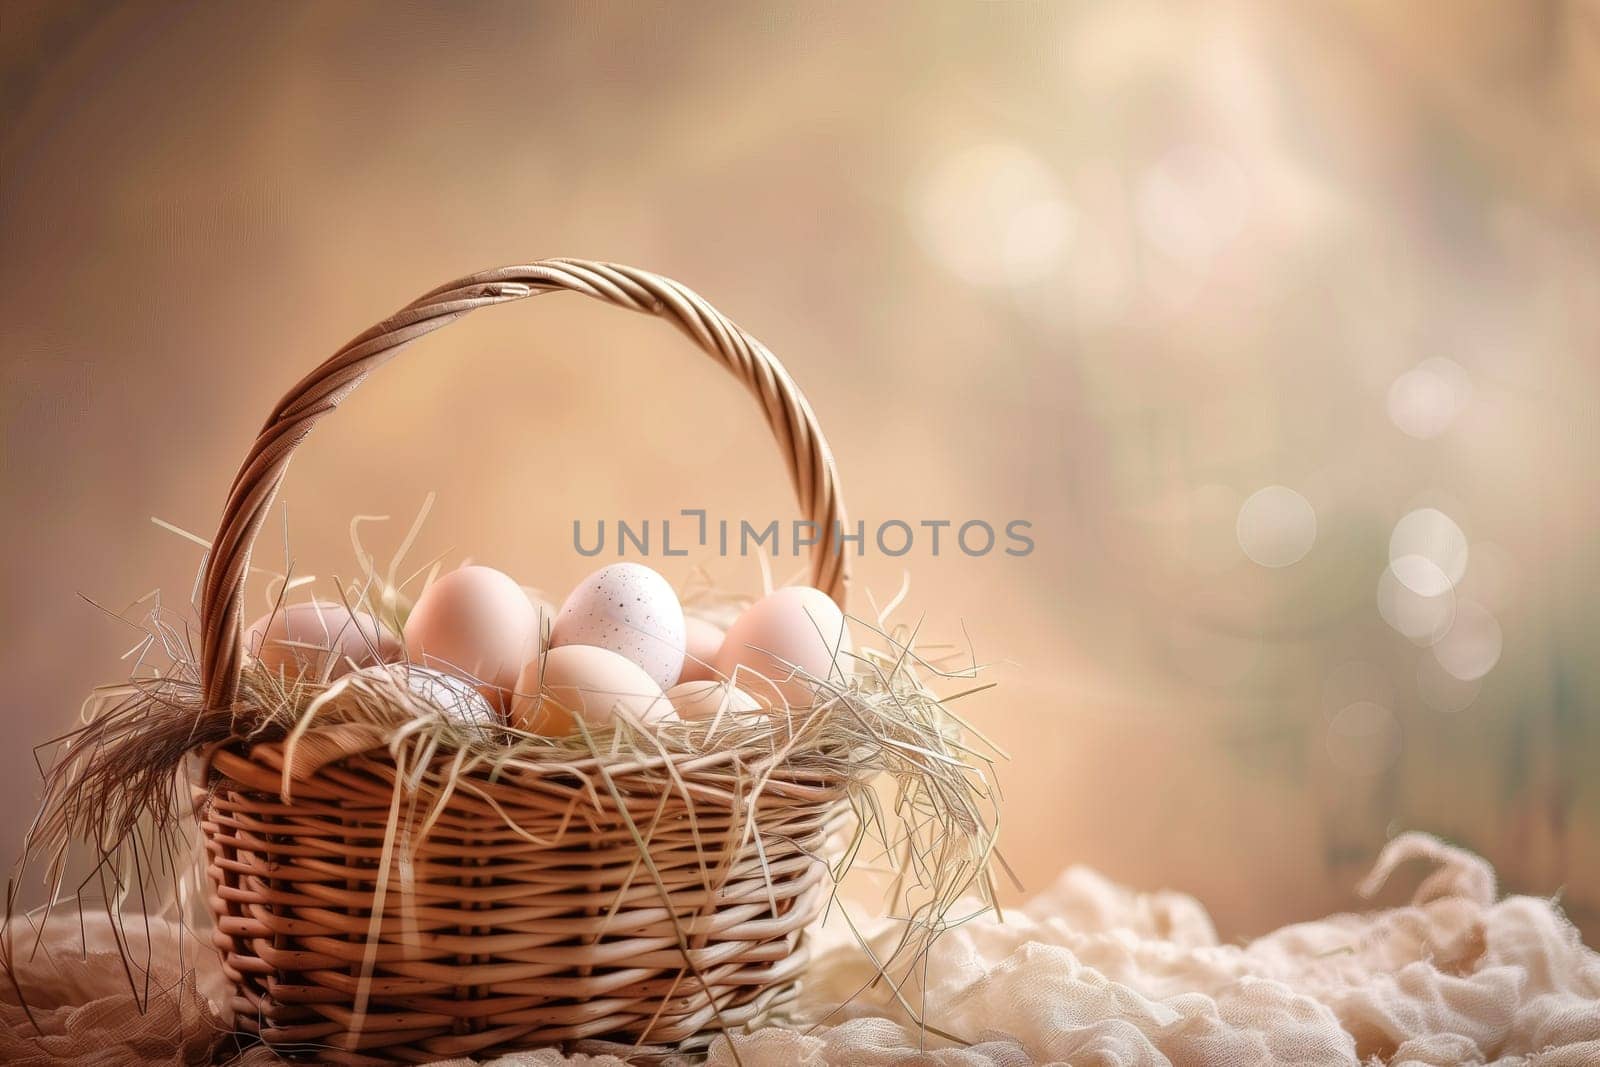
(528, 915)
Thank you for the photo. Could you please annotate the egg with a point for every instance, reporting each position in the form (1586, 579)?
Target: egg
(793, 628)
(317, 639)
(456, 698)
(629, 609)
(583, 681)
(475, 623)
(702, 642)
(695, 701)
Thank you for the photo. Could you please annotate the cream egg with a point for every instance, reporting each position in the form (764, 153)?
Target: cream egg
(475, 623)
(317, 640)
(790, 633)
(629, 609)
(704, 700)
(702, 642)
(583, 681)
(456, 698)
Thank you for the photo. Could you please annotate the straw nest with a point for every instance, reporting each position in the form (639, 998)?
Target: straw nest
(890, 754)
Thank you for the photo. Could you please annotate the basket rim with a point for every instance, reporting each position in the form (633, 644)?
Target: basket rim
(267, 765)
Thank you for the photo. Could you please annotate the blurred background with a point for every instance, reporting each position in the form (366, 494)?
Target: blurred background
(1278, 322)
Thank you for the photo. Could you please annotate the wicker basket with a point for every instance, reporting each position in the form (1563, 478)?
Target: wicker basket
(529, 914)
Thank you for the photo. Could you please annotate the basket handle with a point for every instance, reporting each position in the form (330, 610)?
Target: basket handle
(811, 469)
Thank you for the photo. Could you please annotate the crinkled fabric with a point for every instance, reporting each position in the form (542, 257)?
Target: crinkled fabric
(1087, 973)
(84, 1004)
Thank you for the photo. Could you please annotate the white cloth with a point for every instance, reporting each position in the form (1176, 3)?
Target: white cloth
(1095, 975)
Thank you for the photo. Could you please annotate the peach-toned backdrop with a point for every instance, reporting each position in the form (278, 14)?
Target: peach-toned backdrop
(1112, 269)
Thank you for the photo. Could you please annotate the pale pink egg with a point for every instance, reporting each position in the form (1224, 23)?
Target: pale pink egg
(582, 681)
(318, 640)
(703, 700)
(702, 642)
(792, 629)
(477, 624)
(629, 609)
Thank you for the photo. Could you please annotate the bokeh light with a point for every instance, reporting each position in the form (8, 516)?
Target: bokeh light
(994, 215)
(1423, 619)
(1363, 739)
(1192, 204)
(1276, 526)
(1471, 647)
(1428, 552)
(1426, 399)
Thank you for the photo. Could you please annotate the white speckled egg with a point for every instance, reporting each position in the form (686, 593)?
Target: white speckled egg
(455, 697)
(695, 701)
(583, 681)
(475, 623)
(629, 609)
(789, 628)
(307, 639)
(702, 642)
